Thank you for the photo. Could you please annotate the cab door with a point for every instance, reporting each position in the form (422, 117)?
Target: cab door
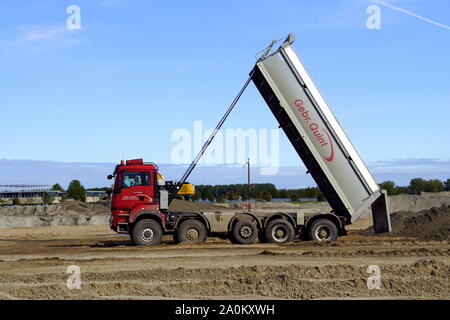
(136, 187)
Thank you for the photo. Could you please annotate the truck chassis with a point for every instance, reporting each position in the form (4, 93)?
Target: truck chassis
(239, 228)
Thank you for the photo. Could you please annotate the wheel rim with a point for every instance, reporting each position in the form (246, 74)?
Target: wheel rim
(323, 233)
(192, 234)
(246, 232)
(280, 234)
(147, 234)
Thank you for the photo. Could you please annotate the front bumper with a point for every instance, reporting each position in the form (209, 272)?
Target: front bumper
(118, 217)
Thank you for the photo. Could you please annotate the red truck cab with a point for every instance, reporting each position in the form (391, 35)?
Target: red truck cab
(134, 195)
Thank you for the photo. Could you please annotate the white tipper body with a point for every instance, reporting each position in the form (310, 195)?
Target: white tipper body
(319, 128)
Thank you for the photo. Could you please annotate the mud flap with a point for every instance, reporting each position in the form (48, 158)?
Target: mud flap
(380, 214)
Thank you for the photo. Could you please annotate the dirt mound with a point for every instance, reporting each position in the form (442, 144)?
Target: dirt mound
(415, 203)
(431, 224)
(181, 205)
(69, 213)
(65, 208)
(93, 208)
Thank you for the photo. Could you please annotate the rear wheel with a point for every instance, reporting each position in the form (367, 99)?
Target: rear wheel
(323, 230)
(146, 232)
(191, 231)
(244, 232)
(279, 231)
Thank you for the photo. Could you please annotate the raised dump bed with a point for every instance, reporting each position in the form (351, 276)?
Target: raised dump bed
(317, 136)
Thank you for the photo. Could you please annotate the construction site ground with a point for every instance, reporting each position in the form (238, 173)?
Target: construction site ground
(34, 264)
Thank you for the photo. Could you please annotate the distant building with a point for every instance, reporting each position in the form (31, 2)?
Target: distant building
(96, 196)
(29, 196)
(33, 194)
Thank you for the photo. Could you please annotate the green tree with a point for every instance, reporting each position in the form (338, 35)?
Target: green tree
(76, 191)
(220, 198)
(283, 194)
(417, 185)
(389, 186)
(196, 197)
(319, 196)
(267, 196)
(401, 190)
(57, 187)
(434, 185)
(447, 185)
(295, 195)
(47, 198)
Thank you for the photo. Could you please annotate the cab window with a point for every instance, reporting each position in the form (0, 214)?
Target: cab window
(136, 178)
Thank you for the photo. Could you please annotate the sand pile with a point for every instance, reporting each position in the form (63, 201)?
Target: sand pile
(431, 224)
(68, 213)
(65, 208)
(415, 203)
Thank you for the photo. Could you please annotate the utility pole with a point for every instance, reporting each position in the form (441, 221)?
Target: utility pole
(248, 185)
(254, 194)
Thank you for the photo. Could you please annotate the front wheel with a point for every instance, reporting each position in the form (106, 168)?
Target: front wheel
(146, 232)
(323, 230)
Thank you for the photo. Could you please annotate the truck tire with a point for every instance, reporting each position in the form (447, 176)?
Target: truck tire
(279, 231)
(323, 230)
(192, 231)
(244, 232)
(146, 232)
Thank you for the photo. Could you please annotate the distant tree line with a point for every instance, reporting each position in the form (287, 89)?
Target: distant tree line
(268, 191)
(416, 186)
(264, 191)
(259, 191)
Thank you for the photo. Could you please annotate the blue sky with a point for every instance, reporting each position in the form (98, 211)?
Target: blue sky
(139, 69)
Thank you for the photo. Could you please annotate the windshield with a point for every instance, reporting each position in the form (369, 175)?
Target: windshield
(129, 179)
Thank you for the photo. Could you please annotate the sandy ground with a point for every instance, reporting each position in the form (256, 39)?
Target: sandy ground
(34, 262)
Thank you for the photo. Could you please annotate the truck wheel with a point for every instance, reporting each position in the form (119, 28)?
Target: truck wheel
(244, 232)
(279, 231)
(147, 232)
(192, 231)
(323, 230)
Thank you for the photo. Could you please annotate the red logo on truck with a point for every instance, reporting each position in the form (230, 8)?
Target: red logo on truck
(321, 135)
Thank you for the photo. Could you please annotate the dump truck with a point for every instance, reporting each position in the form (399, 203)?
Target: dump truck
(142, 209)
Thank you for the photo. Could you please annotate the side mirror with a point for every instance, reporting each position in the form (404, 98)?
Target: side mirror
(110, 176)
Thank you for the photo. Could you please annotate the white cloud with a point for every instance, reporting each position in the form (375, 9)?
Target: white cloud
(42, 33)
